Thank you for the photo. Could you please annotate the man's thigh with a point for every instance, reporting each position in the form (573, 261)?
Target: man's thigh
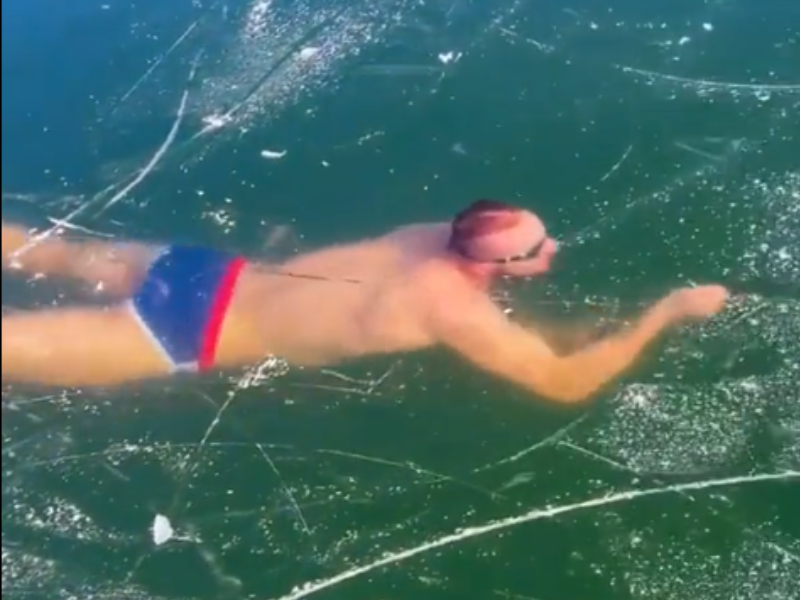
(78, 346)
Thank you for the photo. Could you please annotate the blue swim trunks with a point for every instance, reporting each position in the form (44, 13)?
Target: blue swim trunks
(183, 301)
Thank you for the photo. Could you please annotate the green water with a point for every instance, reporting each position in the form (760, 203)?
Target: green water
(278, 477)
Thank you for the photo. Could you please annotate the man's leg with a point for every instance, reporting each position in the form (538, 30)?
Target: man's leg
(112, 268)
(78, 347)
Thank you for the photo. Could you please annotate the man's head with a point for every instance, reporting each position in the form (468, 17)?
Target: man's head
(497, 238)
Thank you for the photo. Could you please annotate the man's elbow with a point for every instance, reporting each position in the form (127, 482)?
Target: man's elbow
(565, 387)
(568, 394)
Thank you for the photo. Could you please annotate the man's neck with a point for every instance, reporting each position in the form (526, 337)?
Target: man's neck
(480, 276)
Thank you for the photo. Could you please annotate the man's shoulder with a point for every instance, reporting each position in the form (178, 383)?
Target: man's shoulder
(418, 229)
(448, 296)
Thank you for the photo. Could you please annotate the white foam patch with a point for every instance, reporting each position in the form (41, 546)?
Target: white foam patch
(775, 251)
(676, 429)
(283, 55)
(757, 569)
(27, 577)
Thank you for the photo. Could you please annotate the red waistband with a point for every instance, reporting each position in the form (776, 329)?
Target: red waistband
(219, 310)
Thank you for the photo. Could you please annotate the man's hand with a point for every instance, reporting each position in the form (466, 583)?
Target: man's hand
(695, 303)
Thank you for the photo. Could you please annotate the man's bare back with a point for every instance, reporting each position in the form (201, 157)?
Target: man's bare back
(414, 287)
(374, 298)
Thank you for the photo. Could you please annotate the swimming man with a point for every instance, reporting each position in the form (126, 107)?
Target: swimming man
(185, 308)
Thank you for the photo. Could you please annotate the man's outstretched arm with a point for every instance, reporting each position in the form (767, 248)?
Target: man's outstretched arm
(485, 337)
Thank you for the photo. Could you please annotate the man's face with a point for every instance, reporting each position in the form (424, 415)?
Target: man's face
(537, 262)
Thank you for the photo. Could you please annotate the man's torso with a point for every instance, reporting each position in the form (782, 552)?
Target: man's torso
(371, 297)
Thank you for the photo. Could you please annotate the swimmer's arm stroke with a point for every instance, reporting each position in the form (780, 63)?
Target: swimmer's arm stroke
(520, 355)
